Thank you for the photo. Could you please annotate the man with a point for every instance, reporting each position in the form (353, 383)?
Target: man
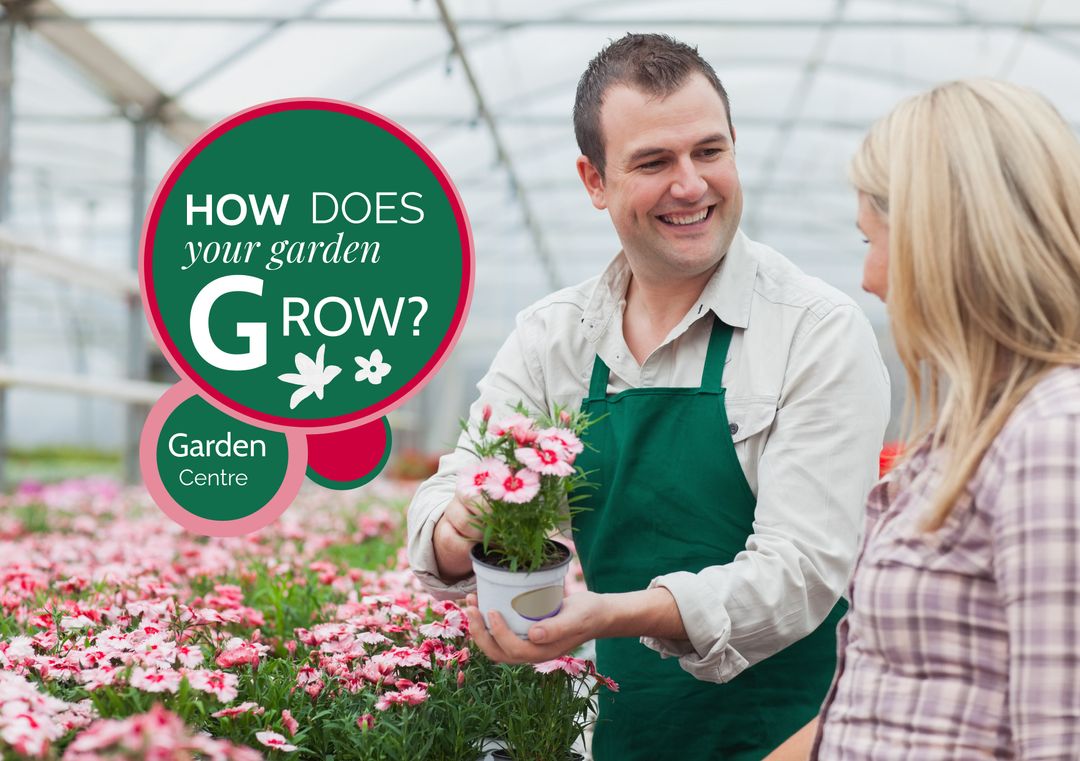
(743, 409)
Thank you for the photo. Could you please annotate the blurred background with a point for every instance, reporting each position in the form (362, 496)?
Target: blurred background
(98, 98)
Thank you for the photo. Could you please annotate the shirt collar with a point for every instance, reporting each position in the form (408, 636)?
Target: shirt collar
(728, 293)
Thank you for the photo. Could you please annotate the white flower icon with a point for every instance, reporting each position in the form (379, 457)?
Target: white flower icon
(311, 377)
(373, 369)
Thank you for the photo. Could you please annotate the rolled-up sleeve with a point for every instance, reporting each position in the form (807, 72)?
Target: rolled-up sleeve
(515, 376)
(1036, 546)
(814, 473)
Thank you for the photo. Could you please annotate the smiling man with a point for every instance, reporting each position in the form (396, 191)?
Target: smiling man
(741, 409)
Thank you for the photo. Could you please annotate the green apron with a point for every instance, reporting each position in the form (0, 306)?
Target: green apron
(672, 497)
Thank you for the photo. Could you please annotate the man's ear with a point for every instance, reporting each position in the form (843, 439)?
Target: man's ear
(593, 182)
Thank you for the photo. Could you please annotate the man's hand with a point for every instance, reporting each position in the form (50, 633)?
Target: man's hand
(583, 617)
(453, 537)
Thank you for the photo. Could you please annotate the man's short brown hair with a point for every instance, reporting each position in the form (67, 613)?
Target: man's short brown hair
(652, 63)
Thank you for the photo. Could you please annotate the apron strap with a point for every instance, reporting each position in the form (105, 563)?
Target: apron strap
(598, 384)
(713, 374)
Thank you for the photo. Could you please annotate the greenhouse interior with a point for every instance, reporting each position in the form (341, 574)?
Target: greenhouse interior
(332, 628)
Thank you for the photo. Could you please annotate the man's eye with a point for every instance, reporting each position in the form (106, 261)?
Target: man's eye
(709, 152)
(866, 241)
(651, 165)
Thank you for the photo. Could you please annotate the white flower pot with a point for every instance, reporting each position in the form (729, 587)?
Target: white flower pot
(521, 598)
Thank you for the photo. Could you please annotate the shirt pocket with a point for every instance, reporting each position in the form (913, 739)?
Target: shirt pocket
(749, 416)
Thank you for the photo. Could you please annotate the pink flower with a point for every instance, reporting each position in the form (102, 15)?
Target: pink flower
(314, 688)
(402, 657)
(413, 694)
(546, 461)
(519, 426)
(104, 676)
(607, 682)
(366, 722)
(611, 684)
(237, 652)
(155, 681)
(290, 724)
(218, 683)
(518, 487)
(445, 629)
(561, 438)
(485, 413)
(67, 623)
(275, 741)
(475, 478)
(189, 656)
(26, 735)
(20, 647)
(572, 666)
(246, 707)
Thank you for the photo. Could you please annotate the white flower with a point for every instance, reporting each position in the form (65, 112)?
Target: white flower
(373, 369)
(312, 377)
(21, 647)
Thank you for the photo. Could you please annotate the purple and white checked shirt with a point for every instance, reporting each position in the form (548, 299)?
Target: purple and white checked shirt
(965, 643)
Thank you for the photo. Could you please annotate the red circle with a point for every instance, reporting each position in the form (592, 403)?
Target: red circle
(350, 454)
(181, 365)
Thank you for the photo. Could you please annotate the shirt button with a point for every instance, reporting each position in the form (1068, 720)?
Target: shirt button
(734, 428)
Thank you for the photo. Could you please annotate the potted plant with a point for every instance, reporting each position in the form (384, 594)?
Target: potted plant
(524, 484)
(545, 710)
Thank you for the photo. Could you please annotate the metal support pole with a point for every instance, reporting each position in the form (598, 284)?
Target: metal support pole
(7, 119)
(137, 359)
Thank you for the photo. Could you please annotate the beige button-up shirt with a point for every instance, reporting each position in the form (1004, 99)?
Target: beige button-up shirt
(808, 402)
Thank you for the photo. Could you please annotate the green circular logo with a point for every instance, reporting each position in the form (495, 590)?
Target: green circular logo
(307, 264)
(217, 467)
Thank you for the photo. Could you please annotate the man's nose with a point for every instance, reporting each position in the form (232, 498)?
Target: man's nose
(688, 184)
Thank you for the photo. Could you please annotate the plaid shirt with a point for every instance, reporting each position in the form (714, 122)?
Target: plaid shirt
(965, 643)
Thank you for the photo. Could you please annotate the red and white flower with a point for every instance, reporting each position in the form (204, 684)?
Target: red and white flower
(246, 707)
(165, 680)
(220, 684)
(572, 666)
(518, 487)
(521, 427)
(412, 694)
(547, 461)
(475, 479)
(291, 724)
(563, 439)
(275, 741)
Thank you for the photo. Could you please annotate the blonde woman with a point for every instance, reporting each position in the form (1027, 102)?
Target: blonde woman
(963, 638)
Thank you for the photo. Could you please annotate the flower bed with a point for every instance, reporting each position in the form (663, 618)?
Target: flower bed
(123, 636)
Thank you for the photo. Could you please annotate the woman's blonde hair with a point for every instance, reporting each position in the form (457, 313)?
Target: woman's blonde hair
(979, 182)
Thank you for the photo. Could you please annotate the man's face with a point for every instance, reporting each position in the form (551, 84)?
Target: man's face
(670, 183)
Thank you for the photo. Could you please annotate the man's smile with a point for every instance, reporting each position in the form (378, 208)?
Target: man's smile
(687, 219)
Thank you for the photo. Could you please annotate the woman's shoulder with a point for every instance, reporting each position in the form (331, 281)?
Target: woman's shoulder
(1041, 435)
(1057, 394)
(1054, 399)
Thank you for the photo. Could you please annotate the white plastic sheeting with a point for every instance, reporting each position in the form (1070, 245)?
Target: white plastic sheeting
(806, 79)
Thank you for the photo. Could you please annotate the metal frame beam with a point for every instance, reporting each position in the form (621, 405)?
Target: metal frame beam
(121, 82)
(138, 358)
(786, 124)
(547, 261)
(7, 129)
(965, 21)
